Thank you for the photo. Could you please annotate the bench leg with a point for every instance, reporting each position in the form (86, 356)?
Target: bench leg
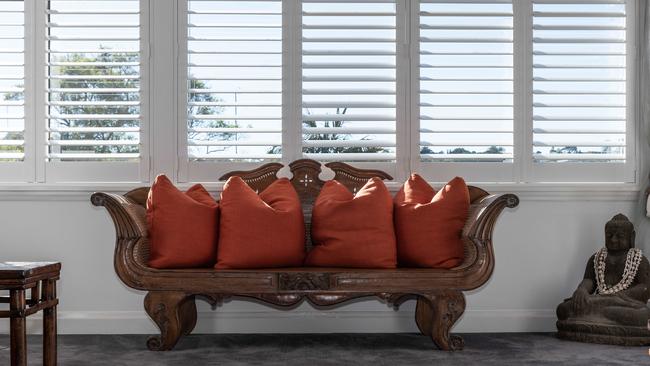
(436, 313)
(175, 315)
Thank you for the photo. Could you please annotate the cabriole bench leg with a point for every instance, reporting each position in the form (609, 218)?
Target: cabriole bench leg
(175, 315)
(436, 313)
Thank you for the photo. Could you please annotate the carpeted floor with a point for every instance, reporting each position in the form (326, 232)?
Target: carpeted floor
(331, 349)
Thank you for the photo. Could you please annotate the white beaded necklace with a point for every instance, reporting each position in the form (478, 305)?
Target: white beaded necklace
(632, 262)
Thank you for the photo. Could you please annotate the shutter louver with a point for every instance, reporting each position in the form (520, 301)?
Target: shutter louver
(12, 81)
(579, 81)
(234, 101)
(93, 88)
(349, 80)
(466, 81)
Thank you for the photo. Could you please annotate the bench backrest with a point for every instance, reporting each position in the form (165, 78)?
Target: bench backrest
(306, 180)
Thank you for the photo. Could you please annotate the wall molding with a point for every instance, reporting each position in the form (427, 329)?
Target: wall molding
(296, 321)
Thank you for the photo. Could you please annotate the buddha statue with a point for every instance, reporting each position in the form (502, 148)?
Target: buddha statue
(610, 304)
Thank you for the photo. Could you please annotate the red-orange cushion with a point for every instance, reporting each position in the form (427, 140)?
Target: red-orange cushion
(428, 225)
(182, 226)
(353, 231)
(260, 231)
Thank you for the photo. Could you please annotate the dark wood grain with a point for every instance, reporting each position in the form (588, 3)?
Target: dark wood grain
(39, 280)
(439, 291)
(175, 315)
(49, 323)
(18, 343)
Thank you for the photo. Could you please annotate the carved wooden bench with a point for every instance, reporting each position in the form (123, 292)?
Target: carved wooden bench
(170, 301)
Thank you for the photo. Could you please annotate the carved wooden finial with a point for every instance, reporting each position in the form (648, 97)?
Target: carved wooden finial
(306, 179)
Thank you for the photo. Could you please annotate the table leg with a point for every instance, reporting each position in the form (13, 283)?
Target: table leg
(18, 328)
(49, 325)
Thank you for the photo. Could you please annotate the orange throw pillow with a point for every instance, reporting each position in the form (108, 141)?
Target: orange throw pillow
(260, 231)
(182, 226)
(428, 225)
(353, 231)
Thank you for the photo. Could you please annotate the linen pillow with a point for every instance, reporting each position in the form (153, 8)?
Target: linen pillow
(428, 225)
(260, 231)
(182, 226)
(353, 231)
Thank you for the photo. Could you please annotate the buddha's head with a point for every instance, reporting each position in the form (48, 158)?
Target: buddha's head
(619, 233)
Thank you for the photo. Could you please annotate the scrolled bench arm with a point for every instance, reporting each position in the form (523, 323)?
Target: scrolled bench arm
(129, 219)
(484, 213)
(128, 216)
(478, 230)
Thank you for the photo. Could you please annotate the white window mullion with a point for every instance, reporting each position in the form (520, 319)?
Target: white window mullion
(414, 87)
(291, 80)
(632, 155)
(403, 95)
(523, 79)
(182, 89)
(39, 45)
(30, 97)
(146, 101)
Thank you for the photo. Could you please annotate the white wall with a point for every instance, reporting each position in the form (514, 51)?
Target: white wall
(541, 249)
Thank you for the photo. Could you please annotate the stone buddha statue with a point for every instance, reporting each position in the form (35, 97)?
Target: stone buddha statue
(610, 304)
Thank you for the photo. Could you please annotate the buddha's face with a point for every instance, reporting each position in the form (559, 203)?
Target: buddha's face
(618, 237)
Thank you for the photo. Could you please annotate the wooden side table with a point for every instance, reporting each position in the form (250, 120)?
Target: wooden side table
(39, 279)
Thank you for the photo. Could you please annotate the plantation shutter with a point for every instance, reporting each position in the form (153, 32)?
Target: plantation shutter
(579, 81)
(466, 81)
(349, 80)
(234, 73)
(12, 81)
(93, 80)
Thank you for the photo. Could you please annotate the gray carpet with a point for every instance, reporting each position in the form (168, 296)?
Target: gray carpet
(332, 349)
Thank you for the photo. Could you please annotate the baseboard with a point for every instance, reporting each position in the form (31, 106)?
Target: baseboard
(275, 321)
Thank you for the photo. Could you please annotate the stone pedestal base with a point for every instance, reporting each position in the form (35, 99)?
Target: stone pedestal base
(584, 331)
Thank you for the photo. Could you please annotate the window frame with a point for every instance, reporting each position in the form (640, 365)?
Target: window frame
(164, 144)
(596, 171)
(23, 171)
(51, 172)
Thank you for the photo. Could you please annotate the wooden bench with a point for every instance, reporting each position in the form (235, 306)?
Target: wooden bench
(170, 301)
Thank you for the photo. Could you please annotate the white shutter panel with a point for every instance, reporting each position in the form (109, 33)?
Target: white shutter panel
(93, 80)
(466, 81)
(579, 81)
(349, 80)
(12, 81)
(234, 71)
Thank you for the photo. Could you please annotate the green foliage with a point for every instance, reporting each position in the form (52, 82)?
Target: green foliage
(123, 96)
(91, 96)
(12, 135)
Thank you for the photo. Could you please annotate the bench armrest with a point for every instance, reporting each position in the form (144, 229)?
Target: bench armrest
(483, 215)
(128, 216)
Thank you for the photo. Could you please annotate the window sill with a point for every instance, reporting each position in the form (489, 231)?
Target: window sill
(526, 191)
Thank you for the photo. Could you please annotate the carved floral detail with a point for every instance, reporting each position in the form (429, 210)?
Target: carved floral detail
(303, 281)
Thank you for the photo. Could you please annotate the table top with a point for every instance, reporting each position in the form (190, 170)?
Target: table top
(25, 270)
